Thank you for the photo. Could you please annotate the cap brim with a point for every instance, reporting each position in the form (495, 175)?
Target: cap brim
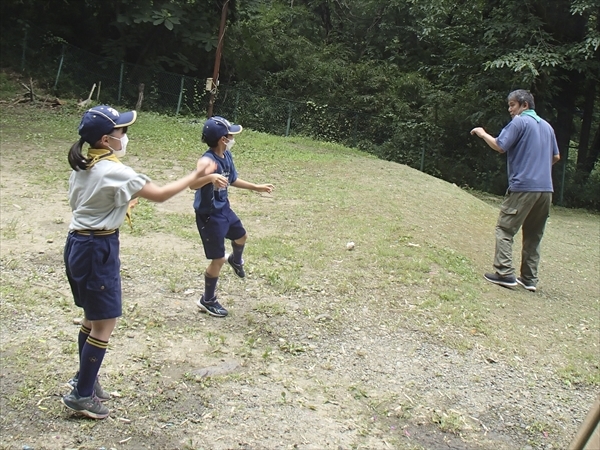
(126, 119)
(234, 129)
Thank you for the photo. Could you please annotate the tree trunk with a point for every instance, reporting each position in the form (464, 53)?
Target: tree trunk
(138, 105)
(586, 125)
(563, 128)
(593, 154)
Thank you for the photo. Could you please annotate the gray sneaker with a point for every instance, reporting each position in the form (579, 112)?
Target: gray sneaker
(88, 406)
(100, 393)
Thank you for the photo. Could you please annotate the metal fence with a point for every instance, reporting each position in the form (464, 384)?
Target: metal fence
(120, 83)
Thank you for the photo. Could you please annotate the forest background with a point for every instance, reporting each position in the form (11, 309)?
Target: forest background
(405, 80)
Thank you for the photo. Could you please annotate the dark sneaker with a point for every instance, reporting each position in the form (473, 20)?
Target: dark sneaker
(88, 406)
(100, 393)
(212, 307)
(237, 268)
(526, 284)
(510, 281)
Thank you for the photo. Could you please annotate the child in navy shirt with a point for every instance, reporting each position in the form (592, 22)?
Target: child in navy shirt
(215, 219)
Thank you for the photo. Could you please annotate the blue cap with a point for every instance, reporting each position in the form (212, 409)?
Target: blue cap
(101, 120)
(216, 127)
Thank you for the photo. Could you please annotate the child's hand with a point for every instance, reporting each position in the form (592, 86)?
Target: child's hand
(205, 166)
(268, 188)
(133, 203)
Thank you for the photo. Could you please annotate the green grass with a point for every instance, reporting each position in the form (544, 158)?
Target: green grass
(9, 89)
(9, 229)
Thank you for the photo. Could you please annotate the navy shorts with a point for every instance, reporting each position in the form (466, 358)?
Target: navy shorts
(93, 269)
(217, 227)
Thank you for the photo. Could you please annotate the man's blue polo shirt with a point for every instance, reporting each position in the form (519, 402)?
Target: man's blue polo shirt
(530, 146)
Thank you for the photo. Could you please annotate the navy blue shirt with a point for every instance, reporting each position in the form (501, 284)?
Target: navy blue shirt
(208, 199)
(530, 146)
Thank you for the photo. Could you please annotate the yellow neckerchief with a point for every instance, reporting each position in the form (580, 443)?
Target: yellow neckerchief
(96, 155)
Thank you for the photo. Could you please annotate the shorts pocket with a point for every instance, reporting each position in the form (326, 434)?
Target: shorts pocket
(104, 276)
(107, 285)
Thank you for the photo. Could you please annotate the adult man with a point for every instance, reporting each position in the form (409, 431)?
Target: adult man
(531, 148)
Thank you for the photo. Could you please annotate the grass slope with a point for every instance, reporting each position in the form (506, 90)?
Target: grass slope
(421, 243)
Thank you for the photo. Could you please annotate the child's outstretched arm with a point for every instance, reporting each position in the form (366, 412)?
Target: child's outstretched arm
(239, 183)
(160, 194)
(217, 179)
(205, 165)
(209, 176)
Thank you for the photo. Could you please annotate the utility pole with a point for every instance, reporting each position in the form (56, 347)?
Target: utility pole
(214, 83)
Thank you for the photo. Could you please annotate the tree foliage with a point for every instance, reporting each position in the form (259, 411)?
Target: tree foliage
(413, 76)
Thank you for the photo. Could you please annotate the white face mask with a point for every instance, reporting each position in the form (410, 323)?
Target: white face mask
(229, 144)
(124, 140)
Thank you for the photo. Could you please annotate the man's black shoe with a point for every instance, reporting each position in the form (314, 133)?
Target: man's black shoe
(526, 284)
(509, 281)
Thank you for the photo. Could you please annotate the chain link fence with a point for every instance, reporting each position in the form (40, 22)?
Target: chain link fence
(128, 84)
(68, 71)
(76, 72)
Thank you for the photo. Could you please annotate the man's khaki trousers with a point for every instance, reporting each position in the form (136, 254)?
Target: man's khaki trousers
(521, 209)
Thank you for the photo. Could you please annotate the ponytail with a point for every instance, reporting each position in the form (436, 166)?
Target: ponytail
(76, 159)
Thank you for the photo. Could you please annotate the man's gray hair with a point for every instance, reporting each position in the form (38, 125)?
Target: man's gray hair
(521, 96)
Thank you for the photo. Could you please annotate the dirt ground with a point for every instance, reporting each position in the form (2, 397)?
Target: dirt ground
(305, 370)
